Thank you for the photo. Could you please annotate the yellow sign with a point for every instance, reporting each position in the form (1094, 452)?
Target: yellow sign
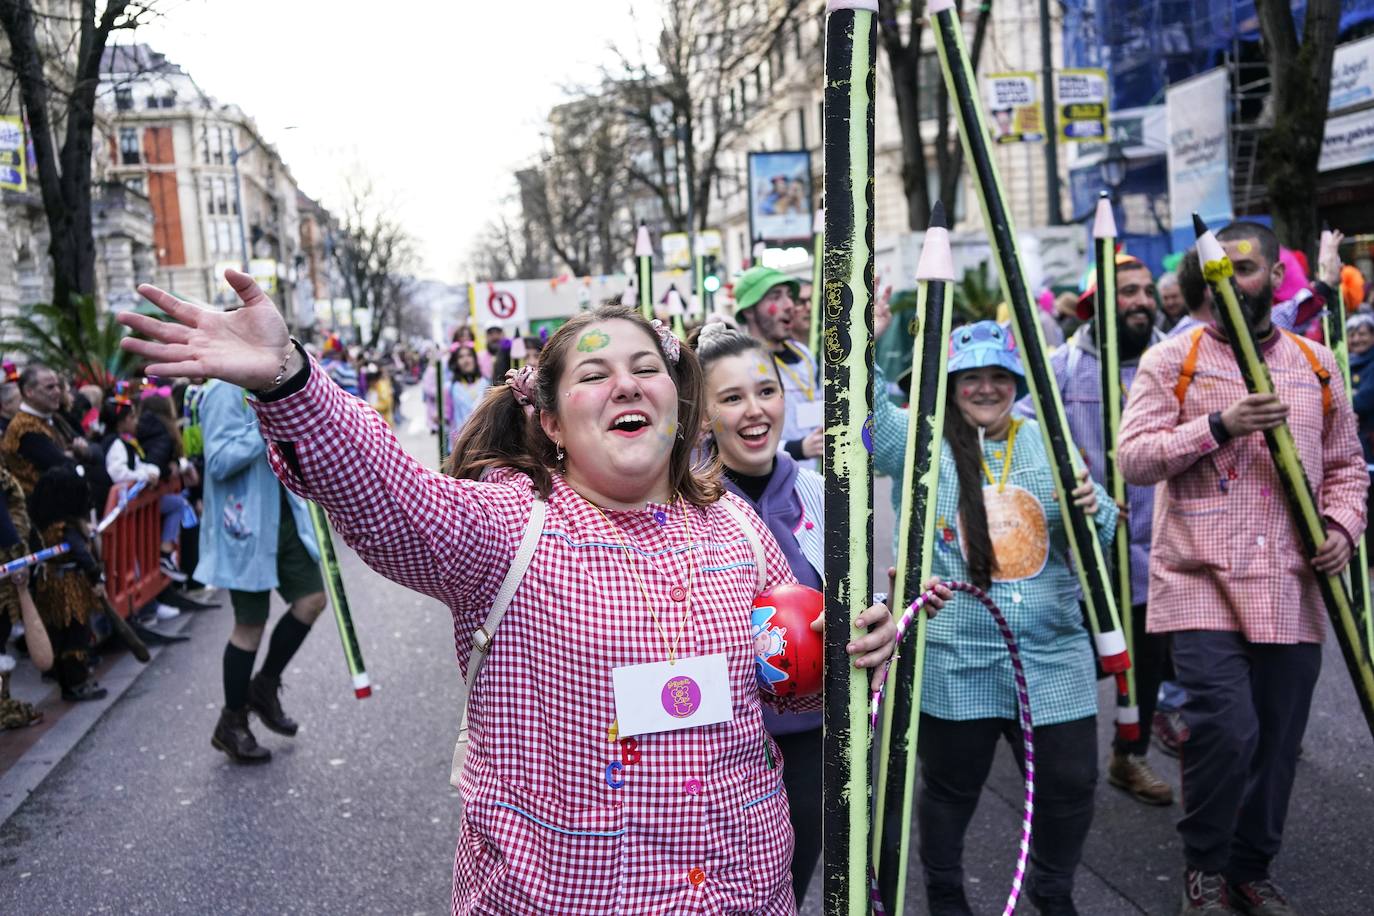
(12, 171)
(1082, 99)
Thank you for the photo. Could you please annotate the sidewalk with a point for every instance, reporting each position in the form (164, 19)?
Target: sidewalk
(27, 755)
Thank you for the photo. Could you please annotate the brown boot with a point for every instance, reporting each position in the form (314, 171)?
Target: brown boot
(264, 698)
(1130, 773)
(233, 737)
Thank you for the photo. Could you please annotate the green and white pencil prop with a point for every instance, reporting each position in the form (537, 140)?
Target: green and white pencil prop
(644, 264)
(338, 599)
(1080, 531)
(916, 528)
(847, 358)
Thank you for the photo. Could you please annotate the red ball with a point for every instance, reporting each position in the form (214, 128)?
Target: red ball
(789, 656)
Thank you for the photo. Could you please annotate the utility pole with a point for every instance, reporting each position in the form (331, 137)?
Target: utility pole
(1055, 215)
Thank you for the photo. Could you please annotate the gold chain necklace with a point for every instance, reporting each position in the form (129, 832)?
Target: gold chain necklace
(634, 570)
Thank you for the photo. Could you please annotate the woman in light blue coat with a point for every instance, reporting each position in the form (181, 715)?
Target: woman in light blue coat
(256, 537)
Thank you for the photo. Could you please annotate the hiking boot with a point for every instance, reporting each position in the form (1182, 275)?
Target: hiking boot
(86, 690)
(947, 900)
(1131, 774)
(1168, 730)
(233, 737)
(264, 698)
(1260, 898)
(1204, 894)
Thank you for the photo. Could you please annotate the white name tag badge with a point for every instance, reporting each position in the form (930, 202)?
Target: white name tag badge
(810, 414)
(663, 697)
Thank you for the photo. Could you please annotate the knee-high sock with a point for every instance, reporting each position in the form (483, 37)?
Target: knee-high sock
(238, 671)
(286, 639)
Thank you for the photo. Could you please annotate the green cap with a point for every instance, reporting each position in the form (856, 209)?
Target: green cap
(754, 283)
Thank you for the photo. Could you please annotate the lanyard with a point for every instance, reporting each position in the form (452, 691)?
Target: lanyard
(1006, 462)
(807, 385)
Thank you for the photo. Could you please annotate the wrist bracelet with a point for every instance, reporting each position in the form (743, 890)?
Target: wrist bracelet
(286, 358)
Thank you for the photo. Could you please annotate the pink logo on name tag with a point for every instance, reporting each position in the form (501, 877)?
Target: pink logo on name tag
(681, 697)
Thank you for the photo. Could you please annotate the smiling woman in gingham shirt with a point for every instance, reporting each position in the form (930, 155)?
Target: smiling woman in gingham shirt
(639, 561)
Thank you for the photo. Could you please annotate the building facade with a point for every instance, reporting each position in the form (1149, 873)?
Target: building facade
(220, 195)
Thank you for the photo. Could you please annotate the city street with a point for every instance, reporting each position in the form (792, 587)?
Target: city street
(355, 814)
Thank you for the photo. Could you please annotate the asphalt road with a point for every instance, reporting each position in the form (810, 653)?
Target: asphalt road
(355, 814)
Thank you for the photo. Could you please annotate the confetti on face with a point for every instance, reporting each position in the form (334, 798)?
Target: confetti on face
(762, 368)
(592, 341)
(1244, 246)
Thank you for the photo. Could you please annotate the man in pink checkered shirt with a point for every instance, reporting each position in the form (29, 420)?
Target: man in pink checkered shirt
(1229, 577)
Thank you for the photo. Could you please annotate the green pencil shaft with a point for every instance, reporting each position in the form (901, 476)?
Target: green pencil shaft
(338, 599)
(1089, 561)
(850, 62)
(700, 271)
(915, 559)
(1106, 328)
(1333, 321)
(439, 407)
(646, 286)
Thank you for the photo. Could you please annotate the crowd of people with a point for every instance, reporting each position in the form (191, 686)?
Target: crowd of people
(650, 488)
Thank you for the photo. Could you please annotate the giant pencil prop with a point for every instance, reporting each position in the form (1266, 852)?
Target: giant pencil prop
(1109, 361)
(644, 268)
(333, 580)
(1216, 267)
(1080, 530)
(1333, 324)
(439, 403)
(926, 420)
(850, 59)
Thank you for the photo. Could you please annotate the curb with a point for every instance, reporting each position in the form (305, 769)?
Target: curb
(24, 777)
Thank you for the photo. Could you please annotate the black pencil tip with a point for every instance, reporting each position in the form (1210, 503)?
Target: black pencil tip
(937, 216)
(1199, 227)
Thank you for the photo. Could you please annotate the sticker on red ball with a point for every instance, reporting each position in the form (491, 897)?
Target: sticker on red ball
(788, 654)
(681, 697)
(667, 696)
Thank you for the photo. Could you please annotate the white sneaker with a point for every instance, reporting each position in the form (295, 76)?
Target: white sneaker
(167, 612)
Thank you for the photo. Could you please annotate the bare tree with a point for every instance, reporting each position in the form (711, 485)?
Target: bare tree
(373, 253)
(1300, 81)
(902, 45)
(571, 197)
(675, 99)
(55, 58)
(508, 250)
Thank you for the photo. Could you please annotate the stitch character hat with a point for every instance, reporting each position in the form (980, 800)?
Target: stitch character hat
(986, 343)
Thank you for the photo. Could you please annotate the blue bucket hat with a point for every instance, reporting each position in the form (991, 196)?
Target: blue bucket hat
(982, 344)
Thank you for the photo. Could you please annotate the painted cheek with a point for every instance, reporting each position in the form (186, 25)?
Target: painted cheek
(966, 393)
(772, 309)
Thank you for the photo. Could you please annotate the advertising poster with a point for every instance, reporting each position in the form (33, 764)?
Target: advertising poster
(1013, 101)
(1081, 95)
(1352, 75)
(12, 172)
(1199, 154)
(780, 196)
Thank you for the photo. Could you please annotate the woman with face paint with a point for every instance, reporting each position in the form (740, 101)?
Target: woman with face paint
(999, 526)
(617, 759)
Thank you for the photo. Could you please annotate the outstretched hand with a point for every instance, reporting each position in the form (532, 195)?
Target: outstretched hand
(244, 347)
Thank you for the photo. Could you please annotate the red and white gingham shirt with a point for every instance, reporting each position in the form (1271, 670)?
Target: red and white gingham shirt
(1226, 553)
(700, 824)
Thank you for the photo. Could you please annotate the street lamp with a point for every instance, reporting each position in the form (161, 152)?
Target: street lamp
(1113, 167)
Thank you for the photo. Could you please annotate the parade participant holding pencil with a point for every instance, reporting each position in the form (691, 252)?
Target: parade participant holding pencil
(617, 759)
(256, 537)
(1078, 372)
(1000, 527)
(1229, 577)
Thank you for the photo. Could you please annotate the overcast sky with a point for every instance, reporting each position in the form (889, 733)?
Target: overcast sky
(436, 101)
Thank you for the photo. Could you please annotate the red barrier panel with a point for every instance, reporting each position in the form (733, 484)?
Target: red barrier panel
(131, 548)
